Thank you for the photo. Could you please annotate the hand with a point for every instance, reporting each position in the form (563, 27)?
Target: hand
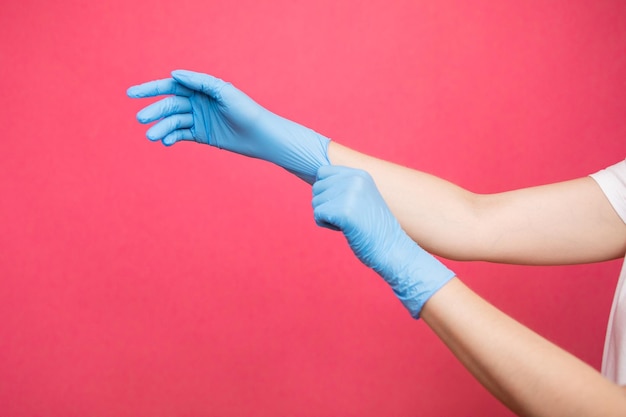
(347, 199)
(207, 110)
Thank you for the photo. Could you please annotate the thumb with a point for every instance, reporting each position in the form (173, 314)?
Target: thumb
(208, 84)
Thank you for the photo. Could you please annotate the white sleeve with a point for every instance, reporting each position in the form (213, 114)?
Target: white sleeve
(612, 180)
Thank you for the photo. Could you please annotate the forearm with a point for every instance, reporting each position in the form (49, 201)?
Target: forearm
(527, 373)
(562, 223)
(438, 214)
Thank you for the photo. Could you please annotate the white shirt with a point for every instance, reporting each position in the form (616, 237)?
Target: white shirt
(613, 183)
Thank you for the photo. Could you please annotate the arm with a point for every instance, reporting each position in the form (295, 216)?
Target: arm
(562, 223)
(527, 373)
(570, 222)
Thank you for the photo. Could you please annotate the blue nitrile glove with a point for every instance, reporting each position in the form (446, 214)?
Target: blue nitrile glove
(347, 199)
(208, 110)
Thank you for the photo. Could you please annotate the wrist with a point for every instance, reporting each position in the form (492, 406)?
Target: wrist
(418, 276)
(306, 153)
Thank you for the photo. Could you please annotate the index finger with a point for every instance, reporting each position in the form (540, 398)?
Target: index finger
(158, 88)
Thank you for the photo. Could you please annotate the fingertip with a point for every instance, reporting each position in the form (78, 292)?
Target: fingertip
(131, 92)
(151, 136)
(321, 171)
(181, 74)
(326, 171)
(170, 138)
(321, 221)
(315, 188)
(141, 118)
(147, 115)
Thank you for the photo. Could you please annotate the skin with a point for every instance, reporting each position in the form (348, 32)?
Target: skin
(564, 223)
(541, 380)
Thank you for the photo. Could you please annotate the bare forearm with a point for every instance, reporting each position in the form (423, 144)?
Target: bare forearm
(527, 373)
(568, 222)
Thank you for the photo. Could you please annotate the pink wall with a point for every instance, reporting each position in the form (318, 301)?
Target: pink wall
(139, 280)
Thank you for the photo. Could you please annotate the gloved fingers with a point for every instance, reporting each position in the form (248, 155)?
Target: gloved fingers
(332, 177)
(352, 191)
(325, 215)
(177, 136)
(353, 187)
(329, 189)
(169, 125)
(206, 83)
(326, 171)
(333, 200)
(164, 108)
(352, 180)
(158, 88)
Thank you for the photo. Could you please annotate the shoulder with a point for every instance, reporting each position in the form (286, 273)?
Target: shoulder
(612, 181)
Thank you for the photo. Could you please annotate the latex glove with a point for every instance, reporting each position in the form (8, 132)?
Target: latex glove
(207, 110)
(347, 199)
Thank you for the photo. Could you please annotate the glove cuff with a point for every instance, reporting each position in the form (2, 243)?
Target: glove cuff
(306, 157)
(418, 279)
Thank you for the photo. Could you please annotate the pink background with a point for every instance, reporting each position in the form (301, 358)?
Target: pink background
(139, 280)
